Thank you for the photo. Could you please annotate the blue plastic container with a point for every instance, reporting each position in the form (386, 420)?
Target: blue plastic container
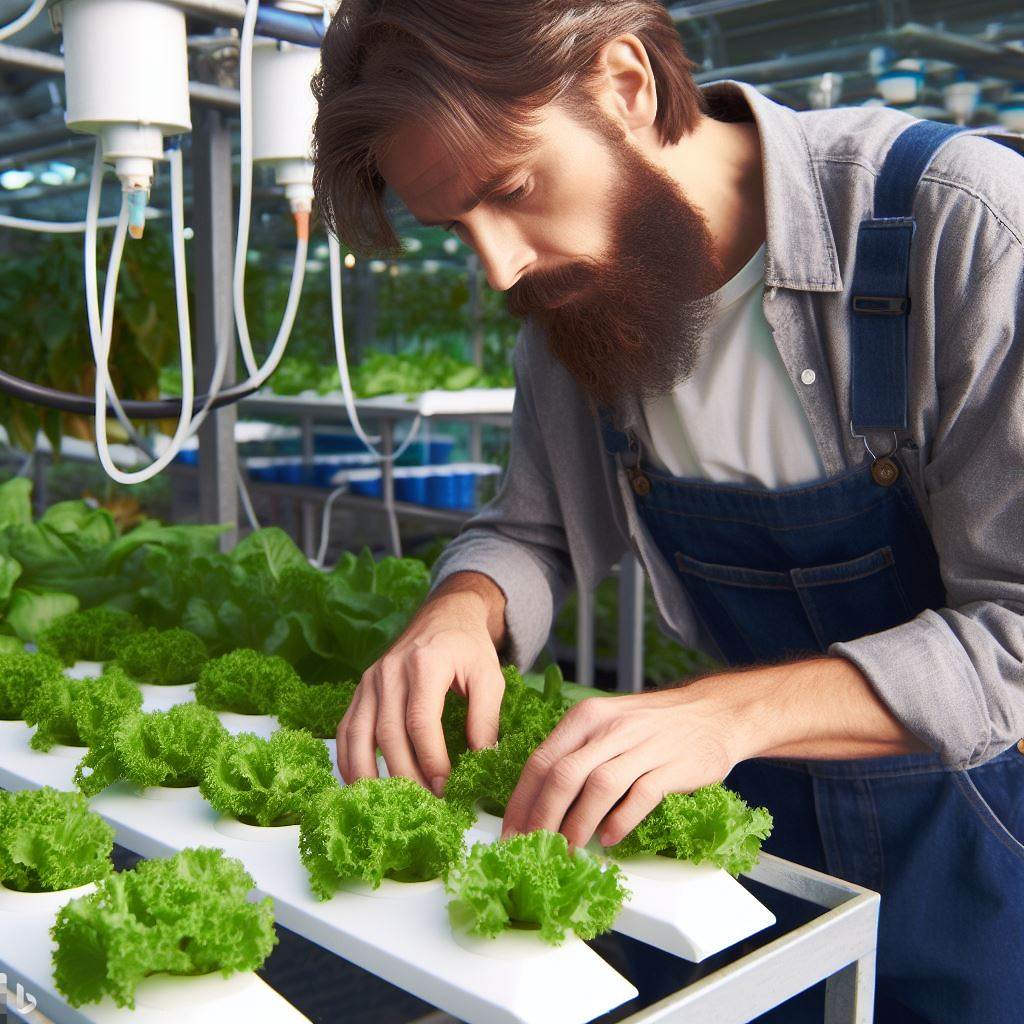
(441, 452)
(465, 490)
(441, 490)
(367, 488)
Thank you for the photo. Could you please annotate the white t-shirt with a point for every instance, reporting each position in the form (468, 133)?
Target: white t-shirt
(737, 418)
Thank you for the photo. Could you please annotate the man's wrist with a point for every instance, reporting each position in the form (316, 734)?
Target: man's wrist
(475, 598)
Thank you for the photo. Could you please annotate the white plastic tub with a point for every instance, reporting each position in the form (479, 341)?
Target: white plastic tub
(160, 698)
(261, 725)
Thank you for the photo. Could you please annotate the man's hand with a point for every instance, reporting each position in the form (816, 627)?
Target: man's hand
(610, 760)
(397, 705)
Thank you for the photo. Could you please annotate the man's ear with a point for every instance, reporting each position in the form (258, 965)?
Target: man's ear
(624, 83)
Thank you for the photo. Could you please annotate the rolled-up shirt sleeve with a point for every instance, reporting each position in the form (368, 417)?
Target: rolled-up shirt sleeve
(519, 540)
(954, 676)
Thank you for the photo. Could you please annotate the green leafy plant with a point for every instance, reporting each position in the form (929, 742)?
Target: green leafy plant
(158, 748)
(21, 675)
(168, 658)
(188, 914)
(489, 776)
(76, 712)
(523, 710)
(534, 881)
(267, 781)
(379, 828)
(244, 681)
(711, 824)
(50, 840)
(317, 709)
(91, 635)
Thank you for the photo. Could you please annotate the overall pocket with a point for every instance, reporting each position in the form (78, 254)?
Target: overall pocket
(995, 793)
(755, 614)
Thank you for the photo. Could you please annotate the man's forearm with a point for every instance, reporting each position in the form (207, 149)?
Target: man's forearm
(476, 597)
(820, 708)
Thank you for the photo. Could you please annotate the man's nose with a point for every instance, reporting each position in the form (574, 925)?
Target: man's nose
(504, 257)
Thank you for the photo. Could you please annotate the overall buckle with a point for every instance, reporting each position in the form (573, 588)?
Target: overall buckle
(881, 305)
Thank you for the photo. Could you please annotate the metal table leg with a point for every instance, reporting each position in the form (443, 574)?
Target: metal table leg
(387, 438)
(631, 626)
(584, 636)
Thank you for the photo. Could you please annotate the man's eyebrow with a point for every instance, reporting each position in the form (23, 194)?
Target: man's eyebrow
(492, 184)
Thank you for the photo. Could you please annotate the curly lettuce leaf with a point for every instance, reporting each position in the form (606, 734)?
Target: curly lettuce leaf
(534, 880)
(377, 828)
(317, 709)
(158, 748)
(90, 635)
(712, 824)
(76, 712)
(244, 681)
(168, 657)
(188, 914)
(523, 710)
(267, 781)
(490, 775)
(21, 674)
(51, 840)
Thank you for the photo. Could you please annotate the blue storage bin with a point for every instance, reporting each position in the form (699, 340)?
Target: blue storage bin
(441, 452)
(441, 490)
(367, 488)
(465, 490)
(188, 457)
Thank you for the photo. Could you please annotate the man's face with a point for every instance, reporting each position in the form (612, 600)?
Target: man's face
(589, 238)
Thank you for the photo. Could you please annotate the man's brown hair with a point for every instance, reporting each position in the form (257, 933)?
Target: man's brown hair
(476, 71)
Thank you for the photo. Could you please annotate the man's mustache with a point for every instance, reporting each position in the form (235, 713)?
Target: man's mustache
(548, 289)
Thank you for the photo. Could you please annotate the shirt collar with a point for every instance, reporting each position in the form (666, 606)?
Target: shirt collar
(800, 252)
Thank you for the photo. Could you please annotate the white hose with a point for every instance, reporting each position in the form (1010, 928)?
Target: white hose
(66, 227)
(32, 12)
(101, 325)
(258, 375)
(342, 359)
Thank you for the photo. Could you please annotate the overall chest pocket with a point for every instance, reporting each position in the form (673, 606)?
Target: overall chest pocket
(755, 614)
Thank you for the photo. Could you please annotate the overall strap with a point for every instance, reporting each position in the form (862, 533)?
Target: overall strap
(880, 302)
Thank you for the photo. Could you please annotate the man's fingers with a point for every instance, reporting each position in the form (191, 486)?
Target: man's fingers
(570, 734)
(604, 787)
(644, 795)
(359, 741)
(484, 691)
(392, 736)
(429, 682)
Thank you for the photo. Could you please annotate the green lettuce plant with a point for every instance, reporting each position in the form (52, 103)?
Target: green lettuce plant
(490, 775)
(92, 635)
(21, 675)
(244, 681)
(189, 914)
(157, 748)
(267, 781)
(50, 840)
(168, 657)
(534, 881)
(379, 828)
(76, 712)
(712, 824)
(317, 709)
(524, 710)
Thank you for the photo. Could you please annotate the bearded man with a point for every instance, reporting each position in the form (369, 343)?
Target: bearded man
(810, 432)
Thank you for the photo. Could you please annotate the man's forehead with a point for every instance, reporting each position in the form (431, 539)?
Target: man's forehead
(417, 164)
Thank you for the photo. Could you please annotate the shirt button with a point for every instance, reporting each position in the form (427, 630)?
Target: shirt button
(807, 376)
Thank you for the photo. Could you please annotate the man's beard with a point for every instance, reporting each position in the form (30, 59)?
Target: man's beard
(631, 322)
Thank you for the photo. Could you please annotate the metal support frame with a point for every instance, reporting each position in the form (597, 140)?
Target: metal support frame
(631, 626)
(584, 636)
(212, 206)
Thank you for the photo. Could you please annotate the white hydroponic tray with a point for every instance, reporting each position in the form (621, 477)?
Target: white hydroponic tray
(689, 910)
(471, 401)
(25, 956)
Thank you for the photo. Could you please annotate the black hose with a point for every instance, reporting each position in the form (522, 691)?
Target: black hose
(66, 401)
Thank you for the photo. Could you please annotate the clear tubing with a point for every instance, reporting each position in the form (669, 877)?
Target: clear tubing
(100, 328)
(29, 15)
(258, 374)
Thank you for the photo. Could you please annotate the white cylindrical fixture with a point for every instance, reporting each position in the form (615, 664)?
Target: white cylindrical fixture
(283, 104)
(961, 99)
(126, 72)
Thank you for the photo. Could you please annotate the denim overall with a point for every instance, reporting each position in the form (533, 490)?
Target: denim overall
(775, 574)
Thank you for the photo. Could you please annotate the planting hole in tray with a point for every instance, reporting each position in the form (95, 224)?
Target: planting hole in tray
(261, 725)
(85, 669)
(18, 902)
(235, 829)
(171, 991)
(170, 794)
(68, 752)
(392, 889)
(513, 944)
(487, 822)
(160, 698)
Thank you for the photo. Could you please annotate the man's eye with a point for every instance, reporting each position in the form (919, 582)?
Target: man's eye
(514, 197)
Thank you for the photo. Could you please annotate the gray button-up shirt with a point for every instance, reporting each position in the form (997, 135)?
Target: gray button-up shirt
(955, 675)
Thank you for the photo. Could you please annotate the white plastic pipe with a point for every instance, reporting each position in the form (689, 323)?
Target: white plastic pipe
(24, 19)
(66, 227)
